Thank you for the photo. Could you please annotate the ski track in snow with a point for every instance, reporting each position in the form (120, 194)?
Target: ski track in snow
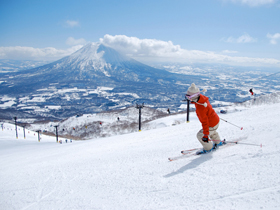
(132, 171)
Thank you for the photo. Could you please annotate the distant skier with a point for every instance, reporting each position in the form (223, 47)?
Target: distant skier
(223, 111)
(208, 118)
(168, 110)
(251, 91)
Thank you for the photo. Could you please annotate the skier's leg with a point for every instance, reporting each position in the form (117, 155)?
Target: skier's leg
(206, 145)
(214, 135)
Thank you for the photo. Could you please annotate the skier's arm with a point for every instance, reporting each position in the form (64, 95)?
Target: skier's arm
(203, 119)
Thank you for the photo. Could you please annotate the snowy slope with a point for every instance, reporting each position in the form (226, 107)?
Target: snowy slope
(132, 171)
(88, 126)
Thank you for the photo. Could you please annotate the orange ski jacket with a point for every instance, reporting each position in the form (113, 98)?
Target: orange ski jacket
(206, 115)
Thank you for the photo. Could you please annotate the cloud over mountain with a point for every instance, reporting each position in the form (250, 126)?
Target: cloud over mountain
(158, 50)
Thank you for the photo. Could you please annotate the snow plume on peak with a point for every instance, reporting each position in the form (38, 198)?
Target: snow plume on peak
(111, 55)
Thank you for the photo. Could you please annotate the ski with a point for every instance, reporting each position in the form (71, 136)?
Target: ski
(183, 156)
(193, 152)
(188, 151)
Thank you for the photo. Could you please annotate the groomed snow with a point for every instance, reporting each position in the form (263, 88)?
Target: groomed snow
(132, 171)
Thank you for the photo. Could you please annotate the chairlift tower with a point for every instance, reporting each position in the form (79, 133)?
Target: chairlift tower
(24, 130)
(188, 109)
(15, 118)
(38, 131)
(56, 134)
(139, 106)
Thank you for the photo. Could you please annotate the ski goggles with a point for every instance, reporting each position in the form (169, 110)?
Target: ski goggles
(192, 96)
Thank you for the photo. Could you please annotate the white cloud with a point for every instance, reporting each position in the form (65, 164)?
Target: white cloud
(71, 41)
(245, 38)
(30, 53)
(273, 38)
(254, 3)
(72, 23)
(152, 50)
(229, 39)
(229, 51)
(141, 47)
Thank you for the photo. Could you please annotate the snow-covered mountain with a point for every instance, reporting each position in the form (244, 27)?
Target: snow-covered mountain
(132, 171)
(75, 84)
(94, 63)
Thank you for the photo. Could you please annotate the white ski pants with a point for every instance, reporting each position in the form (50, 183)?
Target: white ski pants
(214, 136)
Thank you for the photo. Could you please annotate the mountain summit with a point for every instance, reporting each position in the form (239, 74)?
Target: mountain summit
(93, 56)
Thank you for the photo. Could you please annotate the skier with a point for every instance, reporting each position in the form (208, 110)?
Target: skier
(251, 91)
(223, 111)
(208, 118)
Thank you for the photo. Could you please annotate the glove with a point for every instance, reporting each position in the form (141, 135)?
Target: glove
(205, 138)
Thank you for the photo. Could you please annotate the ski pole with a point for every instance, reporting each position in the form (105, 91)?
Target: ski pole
(237, 142)
(232, 124)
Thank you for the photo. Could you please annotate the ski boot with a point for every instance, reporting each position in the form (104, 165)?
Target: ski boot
(216, 146)
(203, 151)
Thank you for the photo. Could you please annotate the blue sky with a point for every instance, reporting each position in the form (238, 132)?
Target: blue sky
(237, 32)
